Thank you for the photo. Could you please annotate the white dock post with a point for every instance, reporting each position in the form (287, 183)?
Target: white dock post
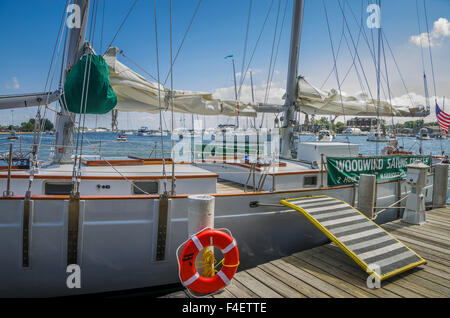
(440, 185)
(367, 194)
(415, 204)
(200, 216)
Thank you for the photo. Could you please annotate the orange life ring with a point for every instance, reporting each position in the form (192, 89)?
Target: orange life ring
(189, 276)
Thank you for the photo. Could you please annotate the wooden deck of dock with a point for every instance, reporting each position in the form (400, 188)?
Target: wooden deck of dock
(327, 272)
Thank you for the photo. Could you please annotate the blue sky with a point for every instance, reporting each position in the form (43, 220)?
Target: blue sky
(29, 30)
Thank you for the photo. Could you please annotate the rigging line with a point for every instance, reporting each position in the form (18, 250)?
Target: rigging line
(335, 65)
(133, 184)
(373, 44)
(74, 169)
(137, 65)
(95, 24)
(171, 101)
(93, 27)
(93, 10)
(354, 61)
(84, 114)
(429, 49)
(425, 81)
(84, 117)
(387, 78)
(275, 61)
(278, 46)
(398, 68)
(338, 52)
(431, 62)
(256, 45)
(371, 49)
(356, 51)
(39, 125)
(83, 106)
(63, 64)
(103, 24)
(123, 22)
(246, 38)
(378, 75)
(182, 41)
(420, 32)
(56, 48)
(272, 53)
(159, 95)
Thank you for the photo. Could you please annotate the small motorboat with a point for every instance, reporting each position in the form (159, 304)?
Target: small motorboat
(423, 134)
(12, 135)
(122, 137)
(376, 135)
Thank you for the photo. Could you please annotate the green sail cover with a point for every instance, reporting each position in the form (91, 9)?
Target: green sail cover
(101, 97)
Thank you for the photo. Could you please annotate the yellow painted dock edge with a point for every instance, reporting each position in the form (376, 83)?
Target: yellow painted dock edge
(342, 246)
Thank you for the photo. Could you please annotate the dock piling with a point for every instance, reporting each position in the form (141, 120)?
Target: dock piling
(440, 185)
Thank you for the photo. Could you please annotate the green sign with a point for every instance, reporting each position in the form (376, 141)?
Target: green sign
(343, 171)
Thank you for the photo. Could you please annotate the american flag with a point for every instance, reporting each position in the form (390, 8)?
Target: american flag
(443, 119)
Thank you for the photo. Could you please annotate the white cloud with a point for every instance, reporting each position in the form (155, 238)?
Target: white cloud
(441, 30)
(14, 85)
(275, 95)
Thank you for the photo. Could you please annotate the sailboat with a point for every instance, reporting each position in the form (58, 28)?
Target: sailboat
(324, 135)
(121, 220)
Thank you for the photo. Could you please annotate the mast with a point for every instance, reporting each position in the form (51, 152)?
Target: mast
(253, 97)
(291, 89)
(64, 119)
(235, 91)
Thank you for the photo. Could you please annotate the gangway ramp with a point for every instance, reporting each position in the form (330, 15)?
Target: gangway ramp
(379, 253)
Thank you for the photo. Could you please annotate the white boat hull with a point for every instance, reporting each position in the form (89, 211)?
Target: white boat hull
(117, 238)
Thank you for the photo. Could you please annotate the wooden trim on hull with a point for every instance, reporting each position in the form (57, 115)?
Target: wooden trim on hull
(259, 169)
(184, 196)
(54, 177)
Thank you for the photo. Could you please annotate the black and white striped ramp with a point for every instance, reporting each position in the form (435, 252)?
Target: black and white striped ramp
(374, 249)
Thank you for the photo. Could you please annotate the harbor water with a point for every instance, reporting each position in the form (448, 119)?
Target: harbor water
(107, 145)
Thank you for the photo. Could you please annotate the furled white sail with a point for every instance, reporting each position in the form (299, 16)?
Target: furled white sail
(314, 101)
(136, 94)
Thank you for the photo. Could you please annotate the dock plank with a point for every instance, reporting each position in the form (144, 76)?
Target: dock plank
(240, 291)
(349, 274)
(416, 284)
(256, 286)
(310, 266)
(275, 284)
(303, 288)
(323, 286)
(432, 232)
(424, 237)
(326, 271)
